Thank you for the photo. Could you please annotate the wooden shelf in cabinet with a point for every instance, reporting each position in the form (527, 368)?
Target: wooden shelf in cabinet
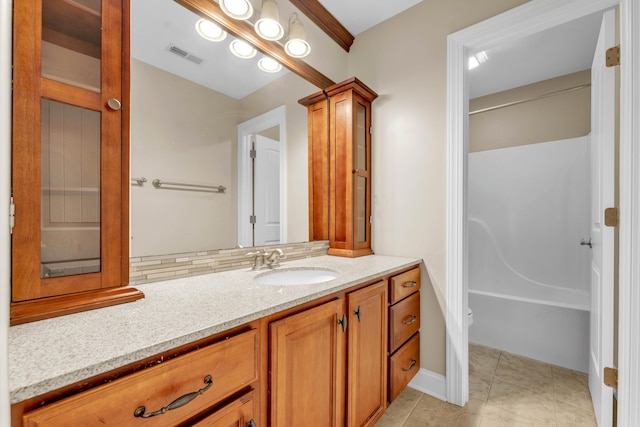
(73, 25)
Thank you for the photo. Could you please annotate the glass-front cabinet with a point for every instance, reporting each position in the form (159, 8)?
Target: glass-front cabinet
(350, 168)
(69, 157)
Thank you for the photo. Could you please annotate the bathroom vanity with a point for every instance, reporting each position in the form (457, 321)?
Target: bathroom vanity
(224, 347)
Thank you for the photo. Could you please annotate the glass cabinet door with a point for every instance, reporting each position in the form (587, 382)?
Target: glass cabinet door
(361, 175)
(69, 152)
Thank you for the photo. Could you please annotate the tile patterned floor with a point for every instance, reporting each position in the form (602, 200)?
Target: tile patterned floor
(504, 390)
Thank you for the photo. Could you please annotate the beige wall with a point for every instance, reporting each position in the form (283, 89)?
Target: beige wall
(562, 116)
(404, 60)
(181, 132)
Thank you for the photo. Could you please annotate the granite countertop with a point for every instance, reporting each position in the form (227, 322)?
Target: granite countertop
(53, 353)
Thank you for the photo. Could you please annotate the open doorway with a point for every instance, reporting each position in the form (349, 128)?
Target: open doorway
(519, 22)
(262, 179)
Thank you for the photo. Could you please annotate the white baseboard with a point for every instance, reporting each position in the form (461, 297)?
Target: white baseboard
(430, 383)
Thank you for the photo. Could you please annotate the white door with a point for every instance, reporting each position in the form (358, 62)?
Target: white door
(266, 194)
(602, 237)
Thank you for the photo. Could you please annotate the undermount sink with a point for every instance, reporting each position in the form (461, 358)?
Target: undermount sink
(302, 276)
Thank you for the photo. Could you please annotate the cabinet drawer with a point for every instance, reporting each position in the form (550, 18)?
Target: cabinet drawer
(239, 413)
(404, 284)
(232, 365)
(403, 365)
(404, 321)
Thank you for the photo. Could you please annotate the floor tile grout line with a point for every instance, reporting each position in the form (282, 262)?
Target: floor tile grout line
(411, 411)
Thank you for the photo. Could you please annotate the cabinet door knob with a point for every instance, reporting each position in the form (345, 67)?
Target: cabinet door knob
(114, 104)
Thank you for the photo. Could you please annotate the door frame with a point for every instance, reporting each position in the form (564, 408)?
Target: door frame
(530, 18)
(277, 116)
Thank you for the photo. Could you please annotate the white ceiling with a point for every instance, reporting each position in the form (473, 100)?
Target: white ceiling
(155, 24)
(556, 52)
(360, 15)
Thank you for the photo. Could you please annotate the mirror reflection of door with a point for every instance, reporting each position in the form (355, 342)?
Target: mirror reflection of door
(266, 190)
(262, 179)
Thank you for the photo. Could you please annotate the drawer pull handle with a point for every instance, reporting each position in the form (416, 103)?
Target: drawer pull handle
(411, 320)
(181, 401)
(413, 365)
(408, 285)
(251, 423)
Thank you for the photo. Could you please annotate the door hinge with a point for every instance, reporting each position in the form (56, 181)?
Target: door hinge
(611, 377)
(252, 219)
(12, 215)
(252, 153)
(611, 217)
(613, 56)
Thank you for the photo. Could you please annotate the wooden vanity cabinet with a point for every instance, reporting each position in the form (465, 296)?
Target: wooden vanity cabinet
(307, 366)
(350, 168)
(318, 131)
(340, 167)
(404, 325)
(367, 352)
(70, 154)
(202, 379)
(317, 354)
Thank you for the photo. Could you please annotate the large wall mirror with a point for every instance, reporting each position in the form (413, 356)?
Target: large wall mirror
(196, 110)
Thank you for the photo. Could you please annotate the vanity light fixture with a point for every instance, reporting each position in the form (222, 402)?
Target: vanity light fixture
(242, 49)
(268, 26)
(237, 9)
(296, 45)
(210, 31)
(269, 65)
(477, 59)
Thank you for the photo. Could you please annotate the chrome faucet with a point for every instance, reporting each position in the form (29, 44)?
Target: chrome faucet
(273, 259)
(263, 259)
(258, 259)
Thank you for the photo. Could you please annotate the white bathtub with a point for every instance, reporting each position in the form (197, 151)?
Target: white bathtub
(553, 334)
(528, 275)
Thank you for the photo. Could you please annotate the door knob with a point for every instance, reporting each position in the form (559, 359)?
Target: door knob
(114, 104)
(586, 243)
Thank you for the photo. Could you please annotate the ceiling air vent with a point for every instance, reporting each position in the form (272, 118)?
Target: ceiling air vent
(184, 54)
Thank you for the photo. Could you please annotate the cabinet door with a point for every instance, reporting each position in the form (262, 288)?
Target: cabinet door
(367, 345)
(307, 367)
(69, 151)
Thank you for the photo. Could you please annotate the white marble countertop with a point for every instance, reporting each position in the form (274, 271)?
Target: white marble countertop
(52, 353)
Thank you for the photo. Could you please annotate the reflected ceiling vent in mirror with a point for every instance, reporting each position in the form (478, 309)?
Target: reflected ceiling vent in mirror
(242, 49)
(268, 26)
(210, 31)
(296, 45)
(269, 65)
(237, 9)
(184, 54)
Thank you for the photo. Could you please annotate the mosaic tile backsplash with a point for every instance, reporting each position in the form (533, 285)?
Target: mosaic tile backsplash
(156, 268)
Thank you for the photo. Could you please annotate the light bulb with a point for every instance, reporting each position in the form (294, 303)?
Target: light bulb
(242, 49)
(269, 65)
(210, 31)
